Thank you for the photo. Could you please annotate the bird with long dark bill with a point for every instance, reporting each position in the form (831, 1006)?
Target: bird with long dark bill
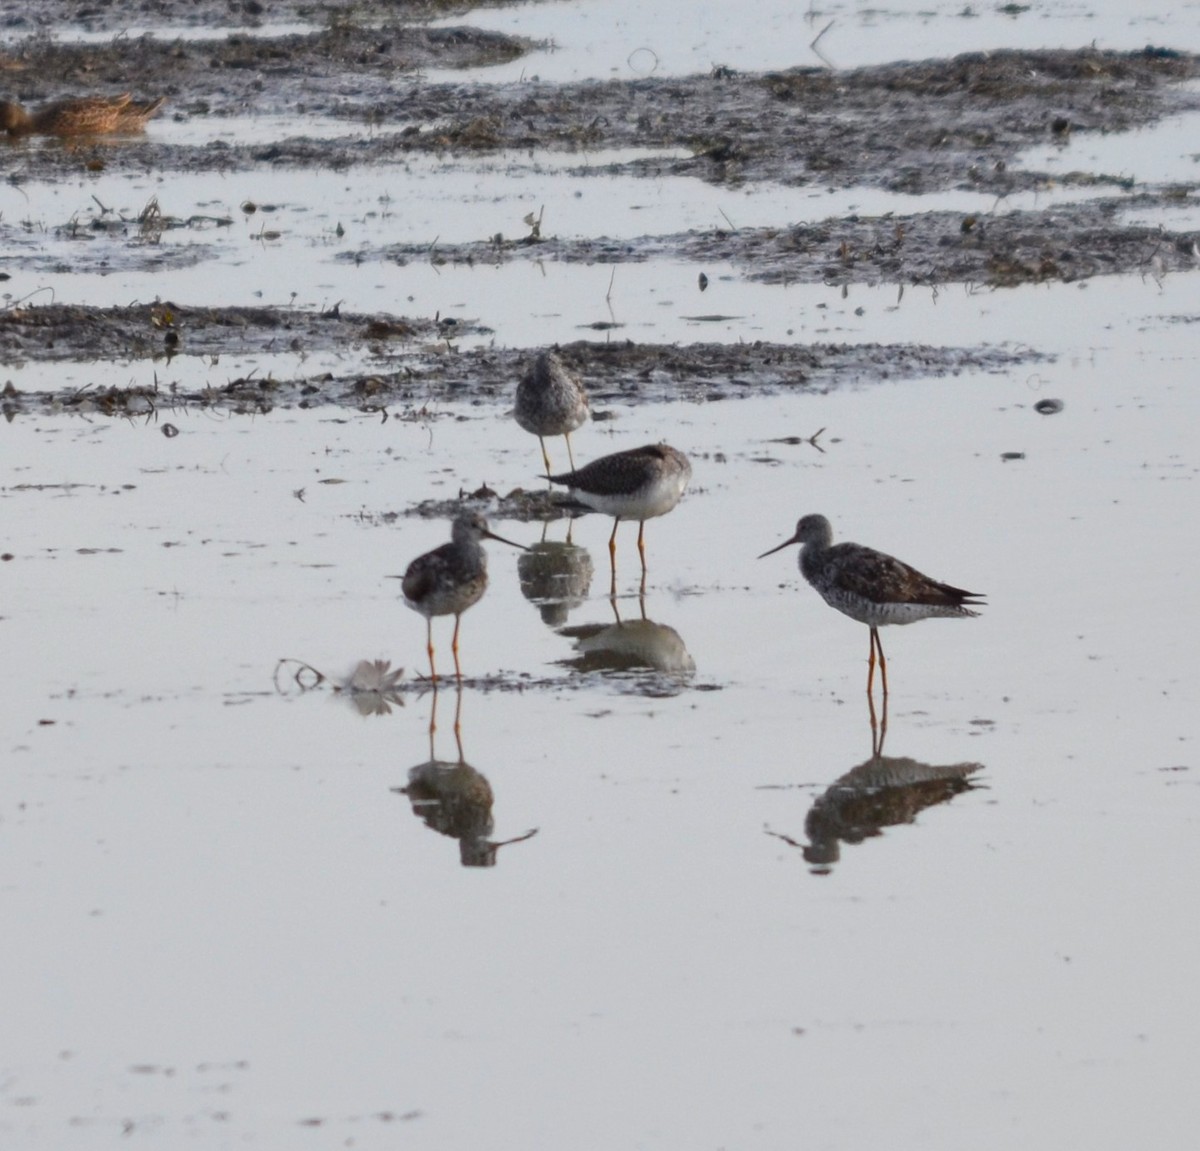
(871, 586)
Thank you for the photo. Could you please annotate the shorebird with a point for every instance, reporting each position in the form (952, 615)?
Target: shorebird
(638, 484)
(451, 578)
(872, 587)
(551, 402)
(87, 116)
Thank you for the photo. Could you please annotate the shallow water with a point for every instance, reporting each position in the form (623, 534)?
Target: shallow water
(225, 926)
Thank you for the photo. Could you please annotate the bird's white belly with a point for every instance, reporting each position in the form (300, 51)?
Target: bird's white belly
(655, 500)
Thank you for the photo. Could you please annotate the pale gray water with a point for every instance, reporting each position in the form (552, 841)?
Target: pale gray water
(224, 928)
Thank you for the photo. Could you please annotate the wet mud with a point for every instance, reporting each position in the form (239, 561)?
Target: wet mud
(914, 127)
(408, 366)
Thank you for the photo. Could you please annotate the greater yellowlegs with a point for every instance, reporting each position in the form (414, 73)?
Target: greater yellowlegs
(637, 484)
(551, 402)
(451, 578)
(872, 587)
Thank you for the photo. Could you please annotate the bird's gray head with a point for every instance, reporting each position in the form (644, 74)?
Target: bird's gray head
(469, 526)
(472, 527)
(811, 529)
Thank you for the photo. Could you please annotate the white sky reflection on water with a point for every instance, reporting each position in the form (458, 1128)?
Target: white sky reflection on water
(222, 925)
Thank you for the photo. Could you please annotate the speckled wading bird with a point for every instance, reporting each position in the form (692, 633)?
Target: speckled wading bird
(451, 578)
(551, 402)
(872, 587)
(87, 116)
(638, 484)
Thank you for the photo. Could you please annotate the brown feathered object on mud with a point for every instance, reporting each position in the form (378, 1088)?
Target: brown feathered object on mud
(86, 116)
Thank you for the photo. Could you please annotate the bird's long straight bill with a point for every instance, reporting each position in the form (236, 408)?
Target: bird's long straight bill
(786, 543)
(501, 540)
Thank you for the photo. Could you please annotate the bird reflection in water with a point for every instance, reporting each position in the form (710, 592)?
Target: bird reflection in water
(884, 791)
(631, 645)
(555, 577)
(454, 799)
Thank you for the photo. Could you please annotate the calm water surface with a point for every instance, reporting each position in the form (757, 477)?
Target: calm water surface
(734, 926)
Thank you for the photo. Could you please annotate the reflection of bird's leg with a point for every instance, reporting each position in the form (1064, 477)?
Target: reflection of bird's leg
(882, 719)
(458, 725)
(429, 647)
(570, 454)
(546, 455)
(612, 599)
(433, 721)
(642, 597)
(871, 707)
(454, 648)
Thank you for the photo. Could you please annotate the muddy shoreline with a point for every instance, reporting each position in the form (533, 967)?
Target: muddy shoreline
(912, 127)
(408, 365)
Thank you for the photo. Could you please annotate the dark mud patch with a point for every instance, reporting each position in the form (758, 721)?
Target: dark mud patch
(911, 128)
(1070, 242)
(162, 330)
(308, 73)
(100, 15)
(411, 365)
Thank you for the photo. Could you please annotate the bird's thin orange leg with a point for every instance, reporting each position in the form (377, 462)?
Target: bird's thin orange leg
(642, 545)
(454, 648)
(871, 670)
(546, 455)
(612, 555)
(882, 667)
(570, 454)
(429, 647)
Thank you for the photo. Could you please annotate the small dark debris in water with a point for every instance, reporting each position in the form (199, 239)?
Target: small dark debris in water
(7, 556)
(1048, 407)
(170, 431)
(797, 440)
(968, 223)
(603, 326)
(1006, 456)
(1060, 126)
(47, 722)
(703, 281)
(249, 207)
(713, 319)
